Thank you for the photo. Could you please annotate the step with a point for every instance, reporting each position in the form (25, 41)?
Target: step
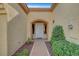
(3, 13)
(2, 8)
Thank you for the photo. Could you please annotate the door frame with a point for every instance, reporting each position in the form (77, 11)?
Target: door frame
(39, 21)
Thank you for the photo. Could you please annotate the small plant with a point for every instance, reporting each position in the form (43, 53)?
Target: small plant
(24, 52)
(29, 40)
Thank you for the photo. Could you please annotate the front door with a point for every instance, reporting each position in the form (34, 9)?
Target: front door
(39, 30)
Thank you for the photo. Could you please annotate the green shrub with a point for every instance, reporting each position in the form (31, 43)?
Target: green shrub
(61, 47)
(24, 52)
(58, 33)
(29, 40)
(65, 48)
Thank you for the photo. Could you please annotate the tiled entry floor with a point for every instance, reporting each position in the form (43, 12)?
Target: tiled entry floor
(39, 48)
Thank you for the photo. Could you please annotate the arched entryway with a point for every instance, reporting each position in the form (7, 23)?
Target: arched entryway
(39, 29)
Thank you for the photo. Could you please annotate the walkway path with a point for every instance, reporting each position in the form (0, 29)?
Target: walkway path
(39, 48)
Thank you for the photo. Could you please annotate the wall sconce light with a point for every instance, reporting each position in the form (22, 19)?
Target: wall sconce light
(70, 26)
(53, 21)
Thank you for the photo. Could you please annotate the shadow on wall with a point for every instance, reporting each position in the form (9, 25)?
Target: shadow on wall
(16, 31)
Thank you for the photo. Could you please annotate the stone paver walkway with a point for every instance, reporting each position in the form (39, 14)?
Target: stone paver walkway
(39, 48)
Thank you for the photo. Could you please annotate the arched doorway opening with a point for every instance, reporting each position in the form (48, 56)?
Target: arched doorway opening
(39, 29)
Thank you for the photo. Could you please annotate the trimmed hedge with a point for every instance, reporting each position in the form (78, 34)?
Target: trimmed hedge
(58, 33)
(65, 48)
(61, 47)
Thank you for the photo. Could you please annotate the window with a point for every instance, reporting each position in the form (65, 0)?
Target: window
(39, 5)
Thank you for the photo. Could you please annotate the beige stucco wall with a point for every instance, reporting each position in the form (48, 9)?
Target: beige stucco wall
(45, 16)
(11, 12)
(3, 32)
(66, 14)
(3, 35)
(16, 28)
